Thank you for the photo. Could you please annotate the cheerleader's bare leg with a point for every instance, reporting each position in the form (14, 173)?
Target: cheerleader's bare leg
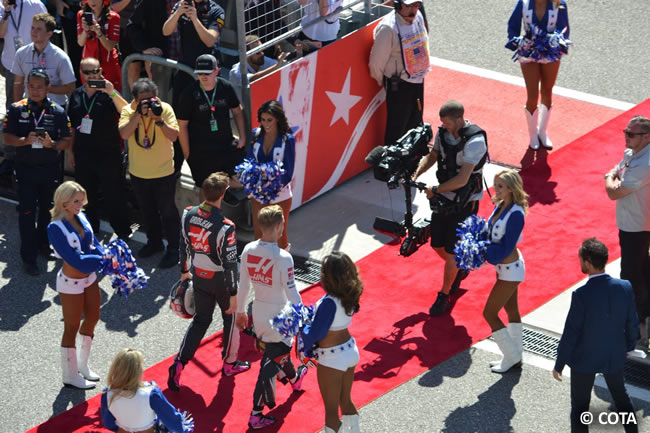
(532, 76)
(501, 294)
(549, 73)
(72, 306)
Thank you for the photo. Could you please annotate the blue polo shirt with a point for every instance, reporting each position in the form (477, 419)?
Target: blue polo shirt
(22, 118)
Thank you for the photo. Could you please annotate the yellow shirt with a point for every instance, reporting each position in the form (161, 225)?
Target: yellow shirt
(158, 160)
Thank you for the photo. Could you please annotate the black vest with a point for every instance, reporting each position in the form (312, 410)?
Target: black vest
(448, 167)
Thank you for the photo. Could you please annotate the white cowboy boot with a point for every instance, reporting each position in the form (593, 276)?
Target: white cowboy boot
(350, 424)
(514, 330)
(506, 344)
(544, 116)
(71, 376)
(84, 343)
(532, 129)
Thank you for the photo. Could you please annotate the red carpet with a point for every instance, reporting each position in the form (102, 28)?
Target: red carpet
(396, 337)
(498, 108)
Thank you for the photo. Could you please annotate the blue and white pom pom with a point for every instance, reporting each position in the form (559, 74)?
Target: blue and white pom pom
(261, 180)
(543, 46)
(292, 318)
(472, 243)
(188, 424)
(122, 268)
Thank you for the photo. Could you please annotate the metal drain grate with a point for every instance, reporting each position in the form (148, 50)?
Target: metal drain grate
(540, 343)
(306, 270)
(636, 372)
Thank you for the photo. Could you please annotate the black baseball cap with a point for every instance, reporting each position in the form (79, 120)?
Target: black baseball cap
(39, 72)
(205, 64)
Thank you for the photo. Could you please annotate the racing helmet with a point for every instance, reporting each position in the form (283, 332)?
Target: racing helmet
(181, 299)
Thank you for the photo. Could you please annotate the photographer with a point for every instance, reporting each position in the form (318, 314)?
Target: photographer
(98, 32)
(460, 149)
(96, 153)
(199, 24)
(39, 129)
(150, 127)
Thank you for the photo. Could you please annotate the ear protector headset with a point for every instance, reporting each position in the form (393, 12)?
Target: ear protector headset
(397, 4)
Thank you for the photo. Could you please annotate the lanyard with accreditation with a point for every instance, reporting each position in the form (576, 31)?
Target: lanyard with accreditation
(414, 44)
(213, 122)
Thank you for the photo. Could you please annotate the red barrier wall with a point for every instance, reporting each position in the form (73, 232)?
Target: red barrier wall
(336, 109)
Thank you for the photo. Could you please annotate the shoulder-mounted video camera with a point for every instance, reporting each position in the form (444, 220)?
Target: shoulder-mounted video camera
(399, 160)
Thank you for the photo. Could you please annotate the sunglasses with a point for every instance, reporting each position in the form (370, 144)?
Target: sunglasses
(629, 134)
(91, 71)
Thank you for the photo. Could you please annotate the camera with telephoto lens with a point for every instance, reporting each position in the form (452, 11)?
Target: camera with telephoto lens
(399, 161)
(152, 104)
(395, 164)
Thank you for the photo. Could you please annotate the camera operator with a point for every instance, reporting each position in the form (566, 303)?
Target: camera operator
(460, 149)
(39, 129)
(96, 151)
(150, 127)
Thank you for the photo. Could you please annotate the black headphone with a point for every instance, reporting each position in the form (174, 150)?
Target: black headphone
(397, 4)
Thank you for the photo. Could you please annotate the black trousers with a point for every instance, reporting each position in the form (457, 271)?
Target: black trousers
(36, 186)
(207, 294)
(635, 267)
(276, 357)
(403, 112)
(105, 176)
(581, 386)
(156, 200)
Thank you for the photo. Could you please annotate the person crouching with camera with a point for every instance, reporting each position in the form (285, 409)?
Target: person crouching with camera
(150, 127)
(39, 129)
(460, 149)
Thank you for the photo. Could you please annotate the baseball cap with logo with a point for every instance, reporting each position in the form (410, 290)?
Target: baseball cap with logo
(205, 64)
(410, 2)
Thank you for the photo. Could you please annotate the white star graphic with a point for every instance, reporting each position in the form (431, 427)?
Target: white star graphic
(343, 101)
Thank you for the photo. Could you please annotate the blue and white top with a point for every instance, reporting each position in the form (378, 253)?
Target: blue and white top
(142, 411)
(329, 315)
(283, 150)
(504, 232)
(84, 254)
(556, 17)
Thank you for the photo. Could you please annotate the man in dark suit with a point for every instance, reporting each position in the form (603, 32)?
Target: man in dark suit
(601, 327)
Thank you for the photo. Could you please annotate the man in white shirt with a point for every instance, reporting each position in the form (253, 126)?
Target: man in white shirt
(15, 28)
(399, 61)
(41, 53)
(628, 183)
